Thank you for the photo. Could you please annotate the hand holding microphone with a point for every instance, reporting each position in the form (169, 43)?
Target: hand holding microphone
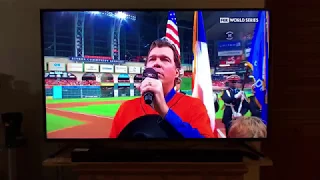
(152, 91)
(149, 75)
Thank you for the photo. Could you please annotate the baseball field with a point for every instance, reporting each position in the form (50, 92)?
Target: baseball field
(89, 117)
(92, 117)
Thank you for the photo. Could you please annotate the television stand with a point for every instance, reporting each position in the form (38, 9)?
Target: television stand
(246, 169)
(156, 155)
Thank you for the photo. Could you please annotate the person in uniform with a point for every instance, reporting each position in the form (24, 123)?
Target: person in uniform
(178, 85)
(234, 102)
(254, 105)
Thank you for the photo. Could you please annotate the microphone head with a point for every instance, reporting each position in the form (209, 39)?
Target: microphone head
(150, 73)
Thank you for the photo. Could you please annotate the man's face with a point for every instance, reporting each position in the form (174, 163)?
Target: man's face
(162, 61)
(232, 84)
(235, 84)
(238, 84)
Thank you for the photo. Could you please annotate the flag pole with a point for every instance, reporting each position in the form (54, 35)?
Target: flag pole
(245, 78)
(243, 84)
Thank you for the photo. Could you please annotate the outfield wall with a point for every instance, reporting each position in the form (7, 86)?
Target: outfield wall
(69, 92)
(118, 90)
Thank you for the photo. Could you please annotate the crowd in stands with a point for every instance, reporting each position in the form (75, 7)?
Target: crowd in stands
(187, 74)
(218, 83)
(248, 85)
(137, 59)
(90, 83)
(70, 82)
(222, 84)
(74, 82)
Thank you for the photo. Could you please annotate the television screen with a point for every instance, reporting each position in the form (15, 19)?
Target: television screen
(155, 74)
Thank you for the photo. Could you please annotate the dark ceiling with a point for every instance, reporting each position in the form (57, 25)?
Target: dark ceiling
(214, 30)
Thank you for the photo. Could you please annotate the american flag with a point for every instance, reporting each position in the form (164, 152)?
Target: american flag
(172, 30)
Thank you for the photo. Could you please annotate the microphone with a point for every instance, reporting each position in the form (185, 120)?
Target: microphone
(150, 73)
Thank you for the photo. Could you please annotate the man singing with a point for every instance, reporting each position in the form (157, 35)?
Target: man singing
(234, 101)
(186, 114)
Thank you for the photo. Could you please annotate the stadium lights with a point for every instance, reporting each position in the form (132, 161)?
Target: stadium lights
(95, 12)
(121, 15)
(224, 65)
(225, 73)
(118, 14)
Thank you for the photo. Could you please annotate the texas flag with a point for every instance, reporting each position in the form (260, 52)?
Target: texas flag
(201, 74)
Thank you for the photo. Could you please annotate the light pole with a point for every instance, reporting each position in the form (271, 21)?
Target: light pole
(118, 16)
(115, 38)
(79, 34)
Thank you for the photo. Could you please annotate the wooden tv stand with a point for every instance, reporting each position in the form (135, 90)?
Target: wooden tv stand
(248, 169)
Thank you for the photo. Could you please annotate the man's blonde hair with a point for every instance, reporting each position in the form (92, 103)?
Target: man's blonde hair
(247, 127)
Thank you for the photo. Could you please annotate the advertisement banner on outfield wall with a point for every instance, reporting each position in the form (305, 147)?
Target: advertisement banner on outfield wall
(181, 71)
(121, 69)
(107, 84)
(91, 67)
(134, 70)
(75, 67)
(142, 69)
(56, 66)
(106, 68)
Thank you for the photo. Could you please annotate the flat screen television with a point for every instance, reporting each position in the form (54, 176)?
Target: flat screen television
(144, 74)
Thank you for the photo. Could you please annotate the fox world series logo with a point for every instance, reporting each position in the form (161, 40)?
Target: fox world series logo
(225, 20)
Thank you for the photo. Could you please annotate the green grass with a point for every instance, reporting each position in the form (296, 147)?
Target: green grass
(219, 114)
(101, 110)
(111, 109)
(185, 83)
(57, 122)
(56, 101)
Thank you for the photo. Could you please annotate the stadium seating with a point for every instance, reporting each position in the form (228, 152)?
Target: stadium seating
(90, 83)
(107, 81)
(124, 81)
